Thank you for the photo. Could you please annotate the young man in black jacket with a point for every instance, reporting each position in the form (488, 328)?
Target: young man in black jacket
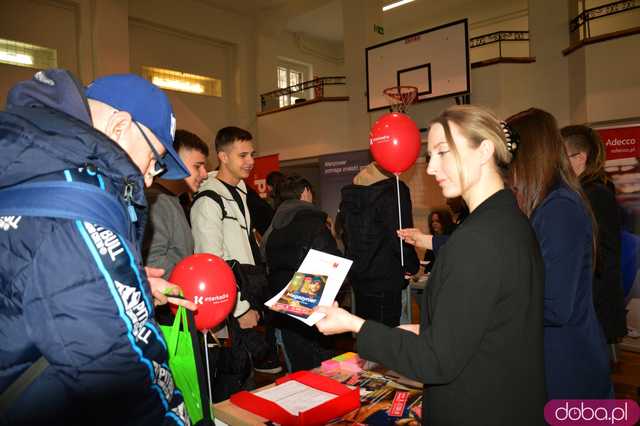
(297, 226)
(369, 209)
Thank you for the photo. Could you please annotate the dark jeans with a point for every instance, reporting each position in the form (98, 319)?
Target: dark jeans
(383, 306)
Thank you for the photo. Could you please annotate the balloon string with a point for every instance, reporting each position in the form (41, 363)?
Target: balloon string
(206, 355)
(399, 218)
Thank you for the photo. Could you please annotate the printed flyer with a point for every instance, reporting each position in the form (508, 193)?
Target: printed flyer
(302, 295)
(316, 282)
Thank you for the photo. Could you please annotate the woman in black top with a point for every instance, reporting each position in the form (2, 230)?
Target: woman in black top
(586, 154)
(478, 348)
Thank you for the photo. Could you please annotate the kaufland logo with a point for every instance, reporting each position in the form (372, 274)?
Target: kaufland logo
(618, 412)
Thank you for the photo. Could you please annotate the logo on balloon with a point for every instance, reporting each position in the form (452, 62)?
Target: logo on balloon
(209, 282)
(395, 142)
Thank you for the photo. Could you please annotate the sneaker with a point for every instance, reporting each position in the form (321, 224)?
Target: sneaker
(268, 366)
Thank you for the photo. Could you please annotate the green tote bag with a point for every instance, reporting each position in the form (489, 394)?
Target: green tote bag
(181, 340)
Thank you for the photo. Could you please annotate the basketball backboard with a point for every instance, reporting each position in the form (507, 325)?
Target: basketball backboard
(436, 61)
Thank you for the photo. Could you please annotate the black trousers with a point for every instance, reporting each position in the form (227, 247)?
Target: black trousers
(305, 346)
(382, 306)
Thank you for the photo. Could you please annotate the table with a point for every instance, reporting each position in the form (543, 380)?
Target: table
(386, 397)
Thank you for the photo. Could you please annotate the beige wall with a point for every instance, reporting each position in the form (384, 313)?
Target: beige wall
(612, 79)
(484, 16)
(324, 59)
(163, 47)
(49, 24)
(503, 88)
(307, 131)
(199, 20)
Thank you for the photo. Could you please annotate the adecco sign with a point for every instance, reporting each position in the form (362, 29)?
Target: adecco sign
(621, 142)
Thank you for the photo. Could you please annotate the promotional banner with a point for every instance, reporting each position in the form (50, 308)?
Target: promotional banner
(620, 142)
(336, 171)
(261, 169)
(622, 166)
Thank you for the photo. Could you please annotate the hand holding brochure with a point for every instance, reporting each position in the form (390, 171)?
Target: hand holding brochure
(316, 282)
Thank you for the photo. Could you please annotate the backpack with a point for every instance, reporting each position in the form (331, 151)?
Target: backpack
(215, 197)
(255, 250)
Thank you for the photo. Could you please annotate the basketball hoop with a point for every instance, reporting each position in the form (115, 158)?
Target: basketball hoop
(400, 97)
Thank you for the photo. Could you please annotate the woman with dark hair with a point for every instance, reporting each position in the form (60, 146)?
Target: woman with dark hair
(440, 223)
(478, 347)
(586, 154)
(576, 360)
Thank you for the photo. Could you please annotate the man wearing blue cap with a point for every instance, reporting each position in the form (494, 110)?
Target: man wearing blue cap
(79, 341)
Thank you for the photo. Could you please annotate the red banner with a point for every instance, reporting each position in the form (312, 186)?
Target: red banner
(261, 168)
(621, 142)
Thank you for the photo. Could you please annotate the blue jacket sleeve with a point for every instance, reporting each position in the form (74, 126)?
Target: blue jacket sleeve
(88, 309)
(437, 242)
(564, 234)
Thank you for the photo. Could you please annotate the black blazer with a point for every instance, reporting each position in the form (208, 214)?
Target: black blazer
(608, 294)
(480, 348)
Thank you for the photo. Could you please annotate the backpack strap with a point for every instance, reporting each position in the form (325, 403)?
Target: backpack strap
(16, 388)
(215, 197)
(66, 200)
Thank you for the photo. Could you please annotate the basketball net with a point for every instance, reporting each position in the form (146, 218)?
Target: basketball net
(400, 97)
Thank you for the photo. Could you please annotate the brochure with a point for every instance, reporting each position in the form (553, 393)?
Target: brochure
(302, 294)
(316, 282)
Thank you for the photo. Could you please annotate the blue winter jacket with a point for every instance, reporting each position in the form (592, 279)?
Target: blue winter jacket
(576, 359)
(72, 291)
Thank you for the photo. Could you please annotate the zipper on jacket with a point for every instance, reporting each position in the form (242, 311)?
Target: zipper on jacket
(128, 196)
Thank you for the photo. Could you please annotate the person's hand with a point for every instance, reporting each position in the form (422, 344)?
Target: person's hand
(162, 290)
(337, 320)
(249, 319)
(415, 237)
(414, 328)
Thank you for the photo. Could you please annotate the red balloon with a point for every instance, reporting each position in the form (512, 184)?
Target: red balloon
(209, 282)
(394, 141)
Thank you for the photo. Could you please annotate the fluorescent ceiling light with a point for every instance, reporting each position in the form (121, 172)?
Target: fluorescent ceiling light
(395, 4)
(16, 58)
(181, 85)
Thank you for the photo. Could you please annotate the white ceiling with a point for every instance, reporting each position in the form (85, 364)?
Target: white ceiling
(245, 7)
(325, 22)
(323, 19)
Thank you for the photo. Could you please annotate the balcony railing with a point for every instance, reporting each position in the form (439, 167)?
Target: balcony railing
(500, 46)
(582, 22)
(606, 22)
(306, 91)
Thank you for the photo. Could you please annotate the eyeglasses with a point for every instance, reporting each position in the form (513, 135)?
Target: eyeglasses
(160, 167)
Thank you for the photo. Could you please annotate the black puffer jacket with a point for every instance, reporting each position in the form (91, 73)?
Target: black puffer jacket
(296, 228)
(370, 214)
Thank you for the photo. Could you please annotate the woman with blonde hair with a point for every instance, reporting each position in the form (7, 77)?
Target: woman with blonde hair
(576, 359)
(478, 347)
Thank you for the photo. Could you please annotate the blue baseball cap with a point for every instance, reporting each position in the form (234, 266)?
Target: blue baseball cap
(147, 105)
